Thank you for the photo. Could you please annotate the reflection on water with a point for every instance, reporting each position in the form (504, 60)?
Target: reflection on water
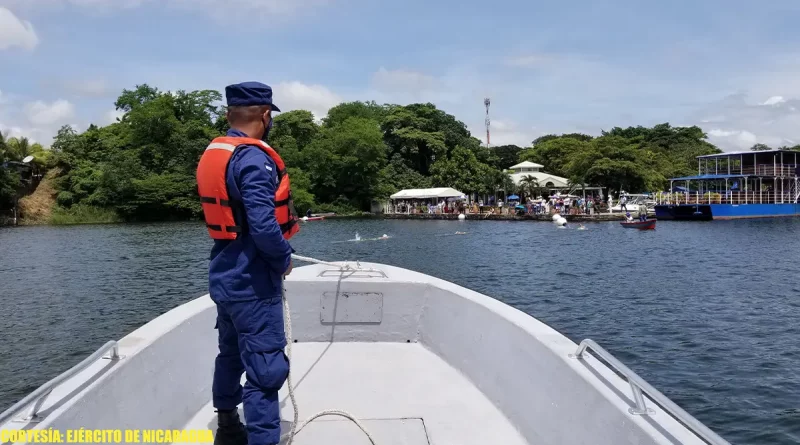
(706, 312)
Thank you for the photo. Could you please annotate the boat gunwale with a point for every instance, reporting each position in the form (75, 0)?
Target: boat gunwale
(596, 373)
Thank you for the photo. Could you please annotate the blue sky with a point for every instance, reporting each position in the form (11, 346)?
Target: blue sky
(731, 67)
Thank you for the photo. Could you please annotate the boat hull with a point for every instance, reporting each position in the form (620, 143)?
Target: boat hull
(650, 224)
(708, 212)
(476, 370)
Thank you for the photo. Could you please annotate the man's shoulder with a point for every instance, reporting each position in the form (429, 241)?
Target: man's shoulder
(252, 155)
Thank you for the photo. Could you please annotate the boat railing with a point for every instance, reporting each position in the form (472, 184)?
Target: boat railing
(743, 197)
(38, 397)
(640, 387)
(785, 170)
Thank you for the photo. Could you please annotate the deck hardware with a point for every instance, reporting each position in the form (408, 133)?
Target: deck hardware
(639, 387)
(38, 397)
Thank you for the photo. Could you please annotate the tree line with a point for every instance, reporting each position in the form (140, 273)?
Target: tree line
(142, 167)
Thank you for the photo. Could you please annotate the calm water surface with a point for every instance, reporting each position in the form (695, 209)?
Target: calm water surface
(708, 313)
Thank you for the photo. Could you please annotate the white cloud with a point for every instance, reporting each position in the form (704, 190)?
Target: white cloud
(55, 113)
(111, 116)
(250, 7)
(297, 95)
(737, 123)
(89, 87)
(402, 80)
(214, 8)
(528, 61)
(15, 32)
(774, 100)
(504, 132)
(738, 139)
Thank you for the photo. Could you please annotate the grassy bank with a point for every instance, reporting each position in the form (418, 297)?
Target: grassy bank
(83, 214)
(37, 207)
(40, 207)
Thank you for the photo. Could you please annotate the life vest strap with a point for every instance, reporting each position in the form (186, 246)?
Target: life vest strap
(231, 229)
(285, 227)
(282, 202)
(212, 200)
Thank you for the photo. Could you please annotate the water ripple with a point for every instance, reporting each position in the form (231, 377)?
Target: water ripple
(707, 313)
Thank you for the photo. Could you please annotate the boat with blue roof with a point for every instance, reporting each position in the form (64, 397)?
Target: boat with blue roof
(733, 185)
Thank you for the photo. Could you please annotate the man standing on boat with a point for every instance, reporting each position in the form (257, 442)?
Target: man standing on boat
(247, 204)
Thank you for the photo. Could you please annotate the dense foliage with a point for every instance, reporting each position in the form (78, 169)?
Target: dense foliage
(633, 159)
(15, 150)
(143, 165)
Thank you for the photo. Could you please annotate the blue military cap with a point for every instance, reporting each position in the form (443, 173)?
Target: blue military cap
(247, 94)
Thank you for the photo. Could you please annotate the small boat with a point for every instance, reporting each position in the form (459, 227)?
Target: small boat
(416, 359)
(650, 224)
(313, 218)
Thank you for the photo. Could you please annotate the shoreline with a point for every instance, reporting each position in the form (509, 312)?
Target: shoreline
(603, 217)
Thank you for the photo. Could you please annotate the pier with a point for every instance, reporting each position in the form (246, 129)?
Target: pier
(602, 217)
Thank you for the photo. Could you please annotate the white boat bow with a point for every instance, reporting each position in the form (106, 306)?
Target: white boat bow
(416, 359)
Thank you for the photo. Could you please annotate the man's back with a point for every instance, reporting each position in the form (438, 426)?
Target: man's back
(243, 269)
(248, 211)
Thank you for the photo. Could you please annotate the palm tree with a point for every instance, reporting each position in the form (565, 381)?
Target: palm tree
(18, 148)
(529, 186)
(507, 185)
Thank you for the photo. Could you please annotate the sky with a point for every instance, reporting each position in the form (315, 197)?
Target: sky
(731, 67)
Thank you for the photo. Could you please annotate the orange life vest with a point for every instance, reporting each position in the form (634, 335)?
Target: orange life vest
(211, 174)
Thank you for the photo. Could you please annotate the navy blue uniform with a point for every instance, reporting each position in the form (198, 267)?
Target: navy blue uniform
(245, 280)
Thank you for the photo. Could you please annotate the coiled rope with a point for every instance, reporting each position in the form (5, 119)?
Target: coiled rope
(287, 325)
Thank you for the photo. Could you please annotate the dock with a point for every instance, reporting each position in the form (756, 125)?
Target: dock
(602, 217)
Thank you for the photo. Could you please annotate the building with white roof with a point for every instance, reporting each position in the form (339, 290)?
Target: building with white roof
(527, 168)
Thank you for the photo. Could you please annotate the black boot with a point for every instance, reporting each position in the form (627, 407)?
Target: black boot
(230, 430)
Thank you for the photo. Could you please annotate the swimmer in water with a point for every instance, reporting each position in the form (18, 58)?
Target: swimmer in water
(461, 233)
(385, 236)
(581, 227)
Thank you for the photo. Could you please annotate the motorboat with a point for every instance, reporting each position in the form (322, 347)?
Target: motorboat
(649, 224)
(634, 203)
(416, 360)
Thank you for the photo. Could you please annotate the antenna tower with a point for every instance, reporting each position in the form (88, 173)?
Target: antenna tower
(487, 102)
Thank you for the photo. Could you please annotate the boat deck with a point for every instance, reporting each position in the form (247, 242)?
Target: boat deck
(404, 394)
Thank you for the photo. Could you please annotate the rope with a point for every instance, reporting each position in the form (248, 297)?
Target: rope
(287, 325)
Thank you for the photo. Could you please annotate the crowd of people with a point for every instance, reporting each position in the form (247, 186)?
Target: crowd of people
(430, 206)
(562, 204)
(565, 205)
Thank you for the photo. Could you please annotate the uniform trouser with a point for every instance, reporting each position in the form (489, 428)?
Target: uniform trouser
(251, 341)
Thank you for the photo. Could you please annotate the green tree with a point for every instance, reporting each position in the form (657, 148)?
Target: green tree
(505, 156)
(398, 176)
(291, 133)
(422, 134)
(555, 153)
(344, 162)
(461, 171)
(9, 182)
(143, 166)
(760, 147)
(365, 110)
(529, 187)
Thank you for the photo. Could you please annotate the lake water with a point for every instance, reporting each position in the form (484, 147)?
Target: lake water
(709, 313)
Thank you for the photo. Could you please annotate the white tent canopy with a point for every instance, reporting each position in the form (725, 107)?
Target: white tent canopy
(439, 192)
